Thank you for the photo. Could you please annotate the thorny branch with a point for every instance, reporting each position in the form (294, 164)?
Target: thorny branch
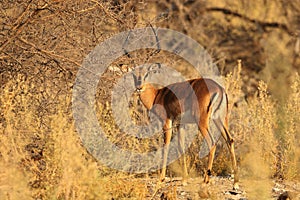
(49, 53)
(262, 24)
(20, 23)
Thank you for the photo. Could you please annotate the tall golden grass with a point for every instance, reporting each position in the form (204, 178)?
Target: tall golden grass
(51, 163)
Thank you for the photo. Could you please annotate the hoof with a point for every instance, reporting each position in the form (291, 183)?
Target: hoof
(206, 180)
(207, 176)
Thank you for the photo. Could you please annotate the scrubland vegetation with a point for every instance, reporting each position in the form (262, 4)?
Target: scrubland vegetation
(42, 45)
(51, 163)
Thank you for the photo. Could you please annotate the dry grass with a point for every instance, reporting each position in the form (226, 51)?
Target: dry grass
(257, 164)
(41, 155)
(54, 164)
(288, 134)
(266, 132)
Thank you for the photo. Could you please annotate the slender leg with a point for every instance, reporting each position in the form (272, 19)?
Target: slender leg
(235, 168)
(181, 141)
(167, 138)
(212, 149)
(230, 144)
(211, 157)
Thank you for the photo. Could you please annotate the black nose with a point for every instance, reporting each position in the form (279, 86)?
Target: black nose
(138, 89)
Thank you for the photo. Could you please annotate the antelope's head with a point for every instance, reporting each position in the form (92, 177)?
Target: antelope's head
(140, 75)
(145, 91)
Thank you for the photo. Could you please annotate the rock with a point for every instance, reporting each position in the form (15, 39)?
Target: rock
(286, 196)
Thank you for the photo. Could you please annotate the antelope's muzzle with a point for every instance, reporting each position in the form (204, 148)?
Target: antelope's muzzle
(138, 90)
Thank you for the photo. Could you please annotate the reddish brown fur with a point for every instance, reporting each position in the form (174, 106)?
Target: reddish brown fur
(196, 96)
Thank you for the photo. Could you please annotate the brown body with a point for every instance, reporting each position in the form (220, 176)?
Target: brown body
(203, 99)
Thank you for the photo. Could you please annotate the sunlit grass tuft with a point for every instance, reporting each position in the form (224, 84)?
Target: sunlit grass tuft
(288, 134)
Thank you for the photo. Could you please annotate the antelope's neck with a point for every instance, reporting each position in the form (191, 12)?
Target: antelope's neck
(148, 95)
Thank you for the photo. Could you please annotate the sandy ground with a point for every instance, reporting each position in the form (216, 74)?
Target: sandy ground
(218, 188)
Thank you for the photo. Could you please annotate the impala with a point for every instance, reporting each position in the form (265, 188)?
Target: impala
(203, 99)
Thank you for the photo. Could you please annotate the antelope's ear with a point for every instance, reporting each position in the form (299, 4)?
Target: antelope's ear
(155, 67)
(158, 67)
